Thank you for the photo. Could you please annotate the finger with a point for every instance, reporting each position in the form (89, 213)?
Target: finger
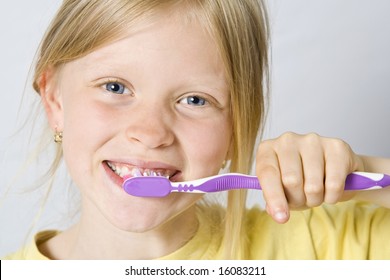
(313, 168)
(290, 165)
(267, 170)
(338, 166)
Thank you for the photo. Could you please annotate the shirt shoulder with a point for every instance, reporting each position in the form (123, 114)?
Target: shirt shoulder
(31, 251)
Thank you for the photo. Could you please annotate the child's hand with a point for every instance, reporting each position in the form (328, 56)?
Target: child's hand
(302, 171)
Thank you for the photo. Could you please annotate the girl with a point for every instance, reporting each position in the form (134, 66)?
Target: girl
(177, 89)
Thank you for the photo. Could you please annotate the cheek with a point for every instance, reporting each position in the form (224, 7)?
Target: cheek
(87, 126)
(207, 144)
(87, 122)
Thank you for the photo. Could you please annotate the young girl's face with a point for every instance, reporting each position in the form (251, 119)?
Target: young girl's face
(155, 102)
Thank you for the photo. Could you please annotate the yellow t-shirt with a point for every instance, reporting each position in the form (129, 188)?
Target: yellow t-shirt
(348, 230)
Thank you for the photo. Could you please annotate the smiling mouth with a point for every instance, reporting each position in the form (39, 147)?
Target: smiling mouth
(126, 171)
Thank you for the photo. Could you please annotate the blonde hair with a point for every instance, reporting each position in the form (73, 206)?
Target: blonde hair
(240, 30)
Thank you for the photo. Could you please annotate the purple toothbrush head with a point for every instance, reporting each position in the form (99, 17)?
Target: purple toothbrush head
(147, 186)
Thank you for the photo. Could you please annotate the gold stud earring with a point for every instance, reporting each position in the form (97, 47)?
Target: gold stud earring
(58, 136)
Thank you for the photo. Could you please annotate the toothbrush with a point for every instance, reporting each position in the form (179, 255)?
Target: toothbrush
(160, 186)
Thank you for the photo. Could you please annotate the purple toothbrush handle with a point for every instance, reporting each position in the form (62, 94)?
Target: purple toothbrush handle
(354, 181)
(227, 182)
(365, 181)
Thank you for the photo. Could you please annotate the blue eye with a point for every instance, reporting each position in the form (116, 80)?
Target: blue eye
(194, 100)
(115, 87)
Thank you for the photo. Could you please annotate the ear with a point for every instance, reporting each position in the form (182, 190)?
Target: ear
(51, 98)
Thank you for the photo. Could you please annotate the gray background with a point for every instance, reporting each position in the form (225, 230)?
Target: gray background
(330, 75)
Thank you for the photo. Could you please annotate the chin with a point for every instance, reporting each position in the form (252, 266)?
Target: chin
(138, 219)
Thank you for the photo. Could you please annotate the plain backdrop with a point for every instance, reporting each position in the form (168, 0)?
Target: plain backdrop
(330, 75)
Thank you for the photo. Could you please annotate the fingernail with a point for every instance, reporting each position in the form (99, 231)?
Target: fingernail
(280, 216)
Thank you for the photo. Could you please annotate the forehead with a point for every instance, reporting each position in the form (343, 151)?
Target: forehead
(165, 35)
(175, 45)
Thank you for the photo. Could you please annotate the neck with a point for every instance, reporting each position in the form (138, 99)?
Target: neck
(98, 239)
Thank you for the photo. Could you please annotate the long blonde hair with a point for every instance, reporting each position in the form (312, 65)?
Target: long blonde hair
(240, 30)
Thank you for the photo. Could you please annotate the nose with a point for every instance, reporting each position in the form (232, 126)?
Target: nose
(150, 126)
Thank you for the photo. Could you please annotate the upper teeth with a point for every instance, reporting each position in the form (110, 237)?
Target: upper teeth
(125, 171)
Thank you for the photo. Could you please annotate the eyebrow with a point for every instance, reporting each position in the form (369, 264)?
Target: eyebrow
(101, 64)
